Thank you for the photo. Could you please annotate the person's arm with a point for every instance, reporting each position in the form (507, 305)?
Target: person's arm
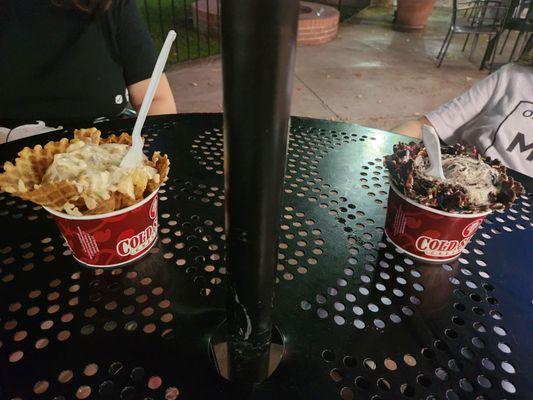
(448, 118)
(412, 128)
(138, 56)
(163, 102)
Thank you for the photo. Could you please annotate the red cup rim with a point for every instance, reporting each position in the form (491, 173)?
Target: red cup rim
(100, 216)
(434, 210)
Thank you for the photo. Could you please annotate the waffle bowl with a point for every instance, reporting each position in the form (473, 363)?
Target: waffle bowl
(111, 232)
(24, 178)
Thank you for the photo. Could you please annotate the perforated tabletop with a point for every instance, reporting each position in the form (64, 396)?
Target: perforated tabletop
(360, 320)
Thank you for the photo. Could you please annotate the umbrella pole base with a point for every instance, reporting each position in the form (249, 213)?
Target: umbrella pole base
(219, 351)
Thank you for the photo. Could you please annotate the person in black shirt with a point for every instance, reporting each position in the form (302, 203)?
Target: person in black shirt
(63, 61)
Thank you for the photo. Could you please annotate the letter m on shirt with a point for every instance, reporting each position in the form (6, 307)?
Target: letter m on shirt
(520, 140)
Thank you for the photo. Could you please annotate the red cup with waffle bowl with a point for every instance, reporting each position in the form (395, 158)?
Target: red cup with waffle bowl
(433, 220)
(106, 214)
(112, 239)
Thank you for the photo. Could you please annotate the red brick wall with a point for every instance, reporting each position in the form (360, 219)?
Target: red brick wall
(312, 29)
(317, 30)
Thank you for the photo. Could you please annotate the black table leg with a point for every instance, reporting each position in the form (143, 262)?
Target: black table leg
(258, 42)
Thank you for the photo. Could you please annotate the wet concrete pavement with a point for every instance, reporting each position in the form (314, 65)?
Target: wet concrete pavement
(371, 74)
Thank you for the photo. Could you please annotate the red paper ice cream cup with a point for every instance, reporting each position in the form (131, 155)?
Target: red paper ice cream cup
(112, 239)
(426, 233)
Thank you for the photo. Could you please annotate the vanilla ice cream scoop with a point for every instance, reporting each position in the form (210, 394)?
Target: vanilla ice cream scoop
(473, 174)
(476, 176)
(96, 171)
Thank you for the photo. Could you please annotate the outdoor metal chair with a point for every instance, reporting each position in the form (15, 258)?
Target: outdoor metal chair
(519, 18)
(479, 17)
(468, 6)
(522, 15)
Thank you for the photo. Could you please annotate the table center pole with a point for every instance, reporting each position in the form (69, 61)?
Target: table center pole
(258, 43)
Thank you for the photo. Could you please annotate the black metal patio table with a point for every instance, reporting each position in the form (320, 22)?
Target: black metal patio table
(359, 319)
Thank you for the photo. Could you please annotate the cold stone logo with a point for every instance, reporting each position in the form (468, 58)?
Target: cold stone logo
(446, 248)
(439, 247)
(153, 209)
(137, 243)
(471, 228)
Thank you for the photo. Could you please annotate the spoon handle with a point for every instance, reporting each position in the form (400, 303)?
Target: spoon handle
(152, 86)
(432, 144)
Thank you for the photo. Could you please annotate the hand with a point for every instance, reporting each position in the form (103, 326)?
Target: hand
(412, 128)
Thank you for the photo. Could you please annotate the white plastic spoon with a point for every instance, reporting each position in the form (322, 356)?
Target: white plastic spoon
(134, 156)
(432, 144)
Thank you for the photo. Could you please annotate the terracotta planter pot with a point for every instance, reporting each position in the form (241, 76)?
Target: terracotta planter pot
(413, 14)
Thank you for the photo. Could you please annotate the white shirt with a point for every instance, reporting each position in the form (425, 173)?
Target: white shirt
(496, 115)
